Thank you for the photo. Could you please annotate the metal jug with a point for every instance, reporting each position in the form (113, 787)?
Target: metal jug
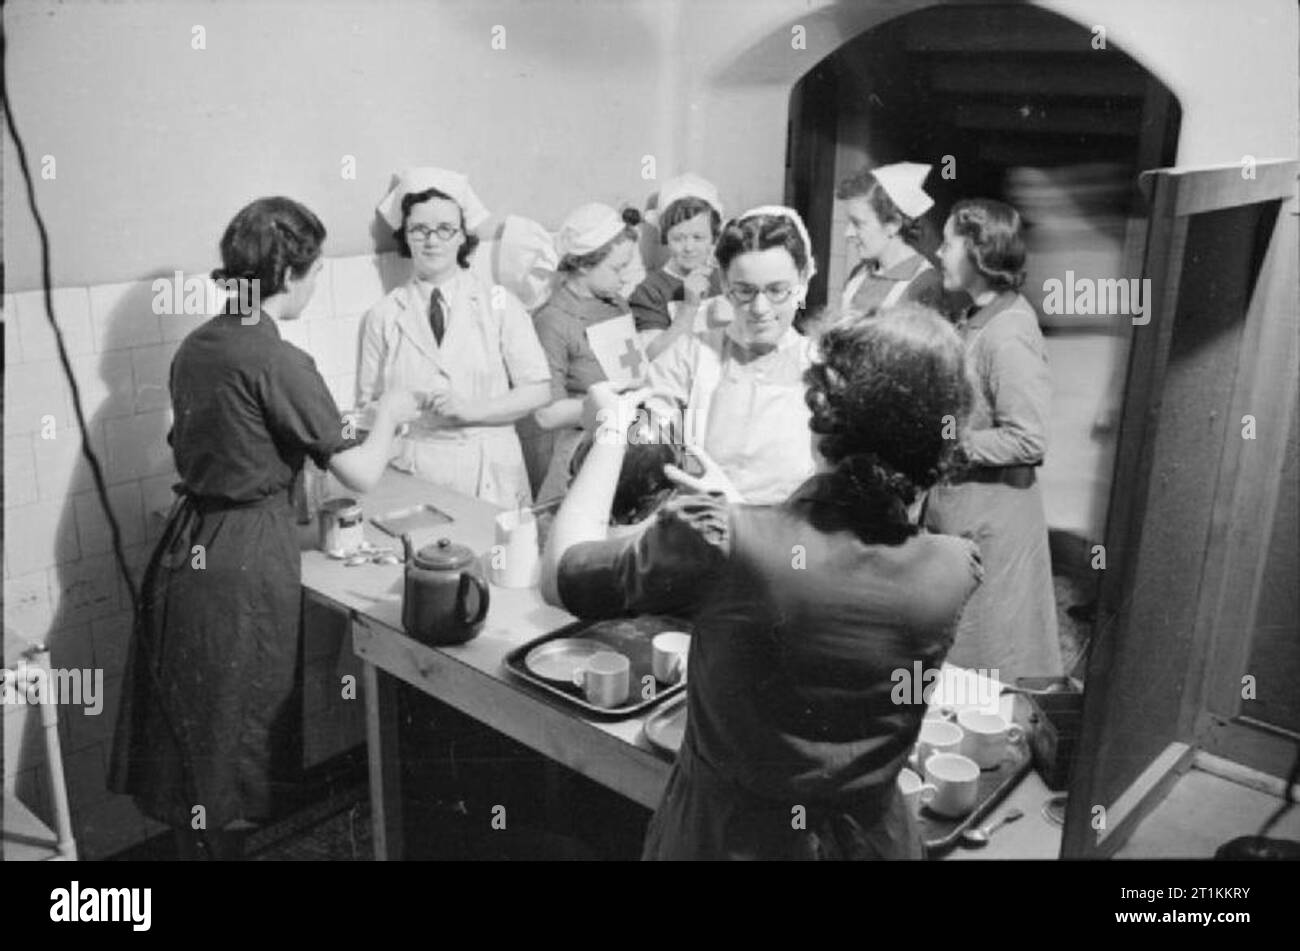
(445, 595)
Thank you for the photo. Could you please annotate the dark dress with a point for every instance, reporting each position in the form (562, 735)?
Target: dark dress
(208, 715)
(649, 302)
(793, 740)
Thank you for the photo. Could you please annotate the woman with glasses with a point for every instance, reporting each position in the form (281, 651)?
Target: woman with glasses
(736, 392)
(804, 612)
(469, 347)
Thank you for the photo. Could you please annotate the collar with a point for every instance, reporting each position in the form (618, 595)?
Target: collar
(421, 290)
(979, 318)
(904, 270)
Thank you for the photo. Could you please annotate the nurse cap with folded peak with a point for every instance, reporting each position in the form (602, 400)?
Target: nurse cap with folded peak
(529, 256)
(452, 184)
(686, 185)
(902, 182)
(588, 228)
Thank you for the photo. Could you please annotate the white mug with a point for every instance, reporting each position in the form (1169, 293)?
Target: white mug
(936, 736)
(514, 561)
(912, 787)
(605, 678)
(988, 735)
(955, 781)
(668, 654)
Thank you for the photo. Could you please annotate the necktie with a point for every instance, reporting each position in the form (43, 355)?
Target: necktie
(437, 318)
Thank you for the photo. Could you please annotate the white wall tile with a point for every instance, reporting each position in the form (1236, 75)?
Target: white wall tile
(335, 345)
(32, 392)
(122, 316)
(86, 589)
(20, 472)
(93, 532)
(60, 466)
(71, 309)
(39, 535)
(151, 367)
(137, 446)
(297, 333)
(358, 284)
(105, 382)
(28, 608)
(321, 304)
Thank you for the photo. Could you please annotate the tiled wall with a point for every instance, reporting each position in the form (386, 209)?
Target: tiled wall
(60, 581)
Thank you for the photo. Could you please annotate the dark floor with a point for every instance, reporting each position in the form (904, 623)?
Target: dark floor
(338, 829)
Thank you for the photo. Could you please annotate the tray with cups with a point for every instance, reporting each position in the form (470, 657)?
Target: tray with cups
(964, 764)
(610, 669)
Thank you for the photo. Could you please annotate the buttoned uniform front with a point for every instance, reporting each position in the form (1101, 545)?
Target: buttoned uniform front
(489, 347)
(746, 411)
(1010, 624)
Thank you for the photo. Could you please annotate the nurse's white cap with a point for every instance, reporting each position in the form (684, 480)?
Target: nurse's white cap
(587, 229)
(452, 184)
(686, 185)
(902, 182)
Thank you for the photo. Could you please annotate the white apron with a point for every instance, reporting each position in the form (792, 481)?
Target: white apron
(895, 293)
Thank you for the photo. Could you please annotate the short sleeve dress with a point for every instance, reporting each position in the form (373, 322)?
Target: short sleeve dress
(209, 697)
(799, 627)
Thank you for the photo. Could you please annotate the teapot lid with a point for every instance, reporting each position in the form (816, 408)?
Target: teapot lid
(444, 555)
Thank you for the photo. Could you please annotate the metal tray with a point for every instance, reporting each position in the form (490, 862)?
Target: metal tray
(940, 834)
(628, 636)
(413, 519)
(665, 729)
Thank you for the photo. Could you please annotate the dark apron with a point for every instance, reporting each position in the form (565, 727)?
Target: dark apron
(210, 712)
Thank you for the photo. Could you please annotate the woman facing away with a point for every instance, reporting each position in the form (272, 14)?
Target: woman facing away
(803, 611)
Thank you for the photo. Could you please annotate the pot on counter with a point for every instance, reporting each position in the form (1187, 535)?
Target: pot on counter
(445, 595)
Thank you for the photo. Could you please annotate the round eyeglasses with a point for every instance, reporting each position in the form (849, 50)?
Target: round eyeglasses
(423, 233)
(746, 293)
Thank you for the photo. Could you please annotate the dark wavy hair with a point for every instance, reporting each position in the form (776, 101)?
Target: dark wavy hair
(266, 239)
(889, 397)
(864, 185)
(576, 263)
(992, 230)
(642, 486)
(759, 233)
(409, 201)
(684, 209)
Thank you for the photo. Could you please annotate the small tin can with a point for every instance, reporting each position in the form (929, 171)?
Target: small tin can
(341, 526)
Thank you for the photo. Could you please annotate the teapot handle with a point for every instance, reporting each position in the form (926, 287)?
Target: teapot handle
(466, 581)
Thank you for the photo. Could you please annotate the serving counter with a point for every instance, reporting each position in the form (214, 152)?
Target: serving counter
(471, 678)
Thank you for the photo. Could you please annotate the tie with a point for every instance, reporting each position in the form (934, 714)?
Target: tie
(437, 318)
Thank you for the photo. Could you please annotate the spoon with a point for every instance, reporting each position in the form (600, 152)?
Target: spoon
(980, 837)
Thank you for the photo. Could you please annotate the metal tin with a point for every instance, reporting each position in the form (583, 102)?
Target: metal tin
(342, 525)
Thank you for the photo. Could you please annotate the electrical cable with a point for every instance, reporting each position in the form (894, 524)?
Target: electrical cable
(96, 471)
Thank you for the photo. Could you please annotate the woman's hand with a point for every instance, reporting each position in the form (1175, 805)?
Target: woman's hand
(613, 404)
(399, 406)
(455, 409)
(696, 286)
(713, 478)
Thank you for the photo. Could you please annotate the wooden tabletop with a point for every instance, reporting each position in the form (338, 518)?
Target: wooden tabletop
(472, 677)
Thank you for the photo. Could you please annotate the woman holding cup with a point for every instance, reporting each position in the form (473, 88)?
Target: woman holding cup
(802, 611)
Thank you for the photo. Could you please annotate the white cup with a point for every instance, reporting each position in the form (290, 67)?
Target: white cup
(514, 561)
(988, 737)
(668, 653)
(604, 678)
(912, 787)
(936, 736)
(955, 782)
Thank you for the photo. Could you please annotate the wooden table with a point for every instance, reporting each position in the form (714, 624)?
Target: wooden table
(472, 678)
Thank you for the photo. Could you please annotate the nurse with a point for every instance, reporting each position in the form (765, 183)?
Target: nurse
(885, 207)
(1010, 625)
(211, 674)
(470, 347)
(595, 247)
(737, 391)
(682, 296)
(791, 699)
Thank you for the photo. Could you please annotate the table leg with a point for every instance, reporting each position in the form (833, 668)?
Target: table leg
(384, 758)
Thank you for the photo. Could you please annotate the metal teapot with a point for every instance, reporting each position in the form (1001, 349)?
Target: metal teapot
(445, 595)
